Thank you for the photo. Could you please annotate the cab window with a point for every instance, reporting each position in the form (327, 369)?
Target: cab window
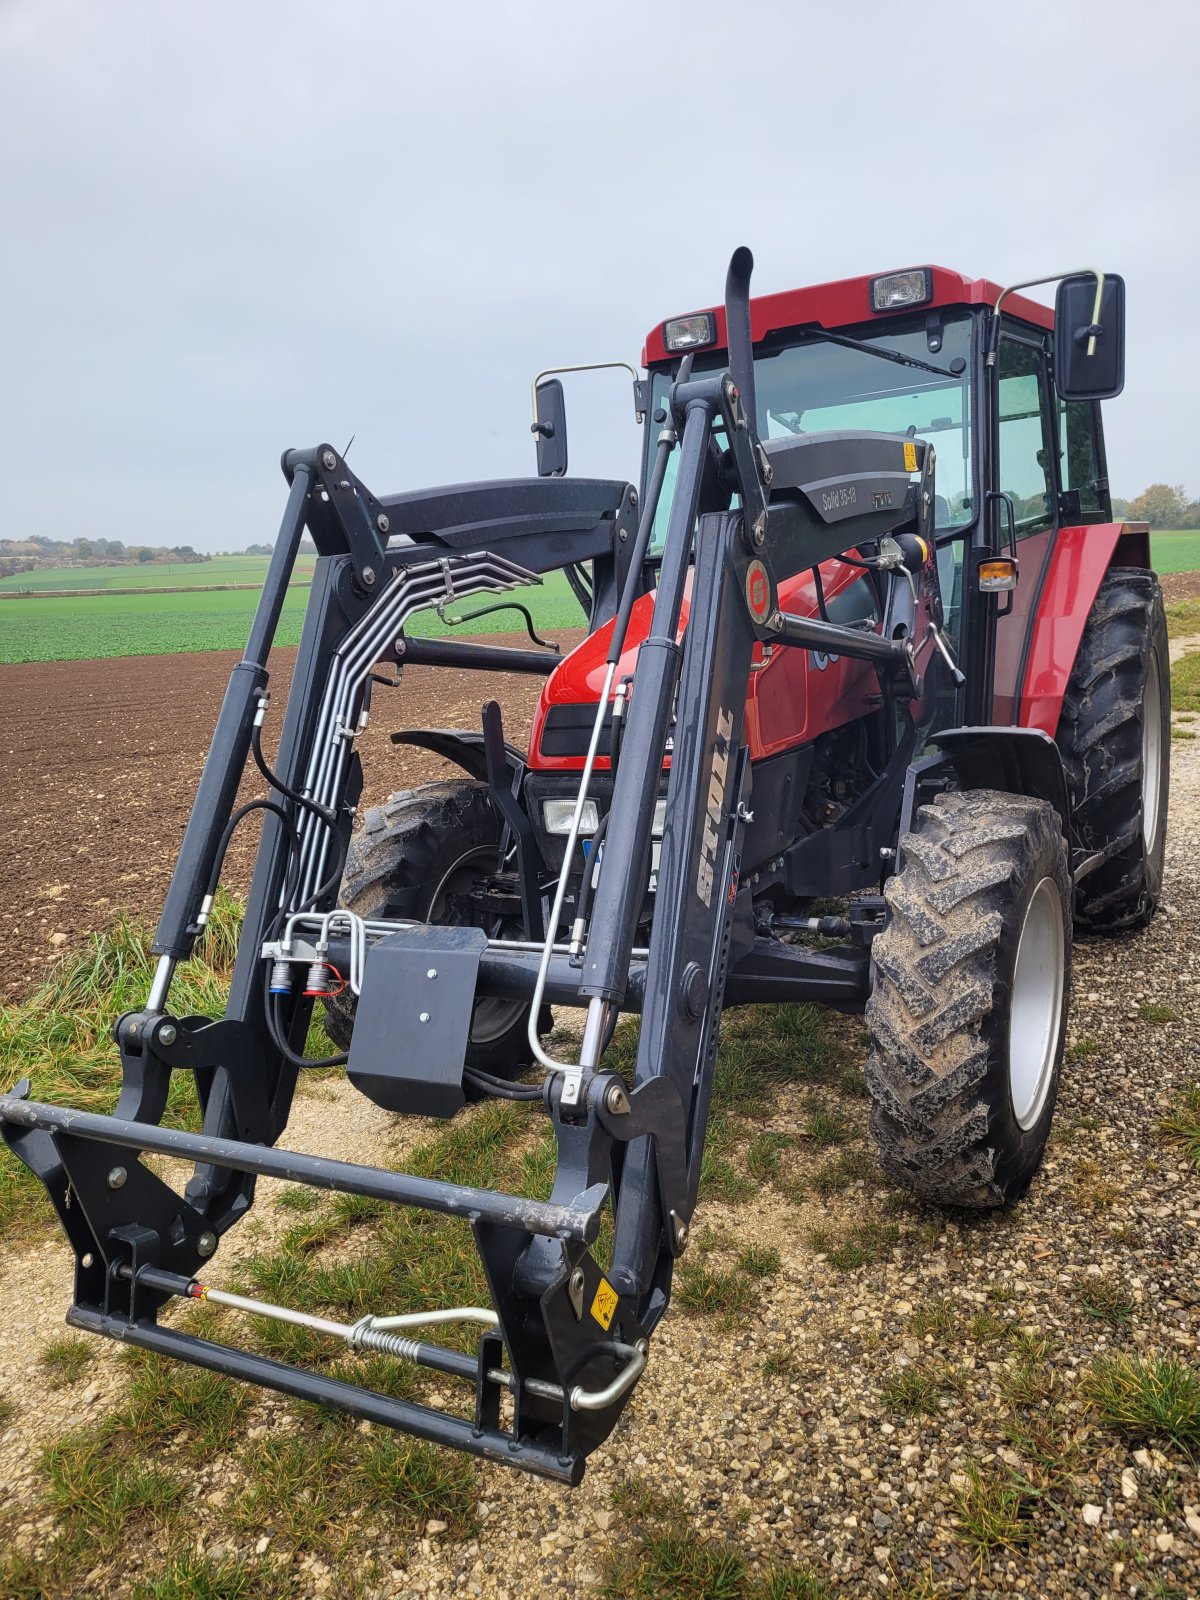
(1026, 474)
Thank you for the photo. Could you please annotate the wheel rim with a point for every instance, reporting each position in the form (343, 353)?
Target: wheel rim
(1151, 754)
(1035, 1015)
(491, 1018)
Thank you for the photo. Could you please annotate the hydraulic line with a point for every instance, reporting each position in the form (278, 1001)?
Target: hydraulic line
(666, 443)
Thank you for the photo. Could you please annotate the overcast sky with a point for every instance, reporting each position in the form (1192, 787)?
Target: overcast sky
(228, 228)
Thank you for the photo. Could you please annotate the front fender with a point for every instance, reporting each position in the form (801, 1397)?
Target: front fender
(465, 749)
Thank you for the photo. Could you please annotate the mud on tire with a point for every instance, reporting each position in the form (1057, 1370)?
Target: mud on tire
(404, 860)
(1114, 734)
(956, 1119)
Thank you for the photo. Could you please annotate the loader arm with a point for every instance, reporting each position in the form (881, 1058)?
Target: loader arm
(565, 1338)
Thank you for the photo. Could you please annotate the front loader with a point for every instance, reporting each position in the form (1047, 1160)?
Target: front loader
(864, 631)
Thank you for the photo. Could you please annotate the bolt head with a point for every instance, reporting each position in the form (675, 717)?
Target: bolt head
(615, 1098)
(328, 460)
(117, 1177)
(167, 1033)
(577, 1280)
(368, 575)
(424, 1016)
(206, 1243)
(382, 523)
(432, 973)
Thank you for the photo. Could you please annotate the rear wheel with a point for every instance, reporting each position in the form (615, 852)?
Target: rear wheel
(417, 858)
(1115, 737)
(967, 1014)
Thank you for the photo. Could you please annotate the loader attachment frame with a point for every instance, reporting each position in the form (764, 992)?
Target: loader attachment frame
(565, 1339)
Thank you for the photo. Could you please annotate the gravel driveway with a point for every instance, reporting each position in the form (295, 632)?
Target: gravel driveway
(858, 1420)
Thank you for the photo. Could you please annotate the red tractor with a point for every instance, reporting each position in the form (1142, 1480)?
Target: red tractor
(821, 666)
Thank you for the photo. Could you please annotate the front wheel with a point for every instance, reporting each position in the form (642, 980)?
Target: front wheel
(967, 1015)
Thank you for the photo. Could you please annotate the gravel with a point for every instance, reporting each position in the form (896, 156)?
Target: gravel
(812, 1465)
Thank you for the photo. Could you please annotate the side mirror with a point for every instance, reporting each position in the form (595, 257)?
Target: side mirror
(1089, 337)
(550, 429)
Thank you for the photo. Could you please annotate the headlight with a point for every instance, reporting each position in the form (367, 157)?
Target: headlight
(898, 289)
(690, 333)
(557, 816)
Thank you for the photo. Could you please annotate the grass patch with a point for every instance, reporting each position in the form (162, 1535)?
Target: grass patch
(8, 1410)
(918, 1391)
(667, 1558)
(759, 1261)
(192, 1576)
(1147, 1397)
(991, 1511)
(66, 1360)
(61, 1036)
(1083, 1049)
(1155, 1011)
(726, 1292)
(105, 1490)
(1185, 683)
(859, 1245)
(849, 1166)
(1107, 1299)
(825, 1127)
(1183, 1125)
(939, 1317)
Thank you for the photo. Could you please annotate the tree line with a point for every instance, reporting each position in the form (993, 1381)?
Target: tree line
(1162, 505)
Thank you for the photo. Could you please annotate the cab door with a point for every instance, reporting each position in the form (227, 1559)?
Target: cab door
(1023, 504)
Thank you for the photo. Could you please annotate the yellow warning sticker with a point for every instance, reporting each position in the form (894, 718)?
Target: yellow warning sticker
(910, 456)
(604, 1304)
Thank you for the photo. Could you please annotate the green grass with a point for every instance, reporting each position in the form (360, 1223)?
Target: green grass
(8, 1410)
(1107, 1299)
(192, 1576)
(1154, 1011)
(991, 1511)
(1175, 550)
(1147, 1397)
(1185, 683)
(666, 1557)
(61, 1036)
(66, 1360)
(89, 627)
(918, 1391)
(860, 1244)
(1183, 1125)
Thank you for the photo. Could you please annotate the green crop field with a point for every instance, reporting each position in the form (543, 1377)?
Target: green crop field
(1176, 550)
(152, 575)
(88, 627)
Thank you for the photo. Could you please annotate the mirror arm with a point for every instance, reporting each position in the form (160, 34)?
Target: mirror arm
(585, 366)
(1090, 332)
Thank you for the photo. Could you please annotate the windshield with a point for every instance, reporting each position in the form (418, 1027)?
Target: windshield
(814, 387)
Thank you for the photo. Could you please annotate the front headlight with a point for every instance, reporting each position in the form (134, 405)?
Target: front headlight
(557, 815)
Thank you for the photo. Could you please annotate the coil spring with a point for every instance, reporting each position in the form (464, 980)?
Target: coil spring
(365, 1337)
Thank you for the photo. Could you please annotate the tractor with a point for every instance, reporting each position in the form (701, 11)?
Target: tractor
(872, 711)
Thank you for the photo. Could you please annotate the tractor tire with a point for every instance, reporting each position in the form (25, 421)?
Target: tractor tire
(970, 984)
(1115, 738)
(403, 861)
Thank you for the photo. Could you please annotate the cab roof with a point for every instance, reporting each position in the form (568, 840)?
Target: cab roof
(847, 302)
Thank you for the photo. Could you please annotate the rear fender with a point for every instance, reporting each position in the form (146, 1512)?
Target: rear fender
(1014, 760)
(1078, 562)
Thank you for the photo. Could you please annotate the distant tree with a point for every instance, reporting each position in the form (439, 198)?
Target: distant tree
(1191, 515)
(258, 550)
(1120, 509)
(1162, 505)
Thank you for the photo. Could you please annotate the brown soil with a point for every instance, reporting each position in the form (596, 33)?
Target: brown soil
(1180, 585)
(98, 766)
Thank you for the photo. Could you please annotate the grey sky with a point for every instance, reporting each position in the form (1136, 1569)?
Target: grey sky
(232, 227)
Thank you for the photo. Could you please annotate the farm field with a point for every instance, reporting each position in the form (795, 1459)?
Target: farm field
(1176, 550)
(93, 627)
(74, 627)
(854, 1394)
(153, 575)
